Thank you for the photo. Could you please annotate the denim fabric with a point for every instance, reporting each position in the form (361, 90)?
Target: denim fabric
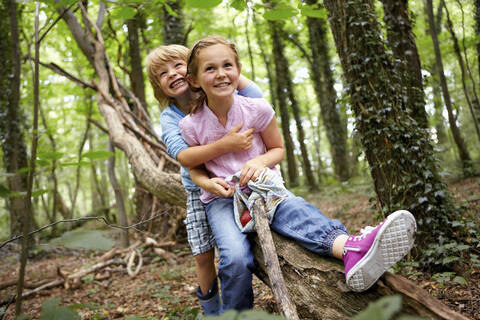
(236, 259)
(295, 218)
(299, 220)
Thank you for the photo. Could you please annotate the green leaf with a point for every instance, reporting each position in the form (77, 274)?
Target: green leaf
(60, 313)
(42, 163)
(50, 155)
(239, 5)
(460, 280)
(37, 193)
(4, 191)
(280, 12)
(313, 11)
(76, 164)
(203, 4)
(123, 13)
(98, 155)
(86, 239)
(382, 309)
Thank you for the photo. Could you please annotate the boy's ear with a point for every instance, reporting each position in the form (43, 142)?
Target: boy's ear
(192, 81)
(239, 68)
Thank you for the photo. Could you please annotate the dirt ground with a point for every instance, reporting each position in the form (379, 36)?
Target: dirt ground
(167, 291)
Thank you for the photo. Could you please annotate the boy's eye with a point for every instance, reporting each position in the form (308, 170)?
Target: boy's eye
(208, 68)
(163, 73)
(228, 64)
(178, 65)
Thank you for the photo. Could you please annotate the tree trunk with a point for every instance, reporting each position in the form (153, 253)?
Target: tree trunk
(11, 136)
(317, 286)
(399, 153)
(137, 81)
(323, 83)
(402, 42)
(456, 48)
(173, 26)
(152, 167)
(281, 67)
(122, 215)
(477, 32)
(461, 147)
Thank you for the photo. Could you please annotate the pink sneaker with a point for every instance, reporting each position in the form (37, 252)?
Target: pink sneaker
(369, 255)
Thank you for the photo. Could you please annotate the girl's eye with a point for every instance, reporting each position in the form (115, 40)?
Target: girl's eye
(208, 68)
(228, 64)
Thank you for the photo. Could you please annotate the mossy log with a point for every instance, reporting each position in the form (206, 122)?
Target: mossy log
(317, 286)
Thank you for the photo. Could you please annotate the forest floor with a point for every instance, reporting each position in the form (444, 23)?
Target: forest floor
(166, 291)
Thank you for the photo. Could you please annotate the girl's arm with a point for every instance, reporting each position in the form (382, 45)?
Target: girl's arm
(233, 141)
(272, 139)
(216, 186)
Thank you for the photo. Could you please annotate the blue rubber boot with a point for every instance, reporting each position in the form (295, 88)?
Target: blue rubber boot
(210, 302)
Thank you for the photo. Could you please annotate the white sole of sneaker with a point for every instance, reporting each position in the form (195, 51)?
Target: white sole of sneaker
(392, 242)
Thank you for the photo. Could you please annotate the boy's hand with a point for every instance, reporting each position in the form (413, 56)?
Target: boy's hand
(220, 188)
(251, 170)
(235, 141)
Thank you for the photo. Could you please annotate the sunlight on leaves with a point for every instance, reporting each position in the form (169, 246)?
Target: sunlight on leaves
(203, 4)
(281, 12)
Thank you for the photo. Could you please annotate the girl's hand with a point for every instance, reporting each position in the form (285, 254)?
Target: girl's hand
(251, 170)
(220, 188)
(235, 141)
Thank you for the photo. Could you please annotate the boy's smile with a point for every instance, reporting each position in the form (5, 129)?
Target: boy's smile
(172, 78)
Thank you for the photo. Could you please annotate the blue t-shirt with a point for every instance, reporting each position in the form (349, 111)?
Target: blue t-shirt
(169, 120)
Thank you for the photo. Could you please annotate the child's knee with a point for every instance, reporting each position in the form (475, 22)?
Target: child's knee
(206, 259)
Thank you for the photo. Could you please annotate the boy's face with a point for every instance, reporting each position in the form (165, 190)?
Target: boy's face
(172, 78)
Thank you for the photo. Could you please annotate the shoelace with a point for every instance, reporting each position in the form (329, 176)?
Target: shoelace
(363, 233)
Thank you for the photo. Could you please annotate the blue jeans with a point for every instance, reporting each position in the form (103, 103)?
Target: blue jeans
(294, 218)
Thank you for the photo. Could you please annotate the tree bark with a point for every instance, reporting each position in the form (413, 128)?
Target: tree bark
(137, 81)
(456, 48)
(281, 67)
(323, 83)
(317, 286)
(457, 137)
(402, 42)
(173, 26)
(123, 129)
(400, 154)
(11, 136)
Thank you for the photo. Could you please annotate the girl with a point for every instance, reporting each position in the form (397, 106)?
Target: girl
(214, 68)
(167, 68)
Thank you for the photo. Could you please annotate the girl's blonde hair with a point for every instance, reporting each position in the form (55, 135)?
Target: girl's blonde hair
(156, 59)
(192, 62)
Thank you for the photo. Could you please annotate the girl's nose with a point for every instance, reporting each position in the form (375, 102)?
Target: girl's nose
(220, 72)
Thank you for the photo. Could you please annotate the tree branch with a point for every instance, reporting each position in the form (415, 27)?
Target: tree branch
(133, 226)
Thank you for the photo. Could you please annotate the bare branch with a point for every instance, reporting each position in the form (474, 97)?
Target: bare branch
(133, 226)
(56, 68)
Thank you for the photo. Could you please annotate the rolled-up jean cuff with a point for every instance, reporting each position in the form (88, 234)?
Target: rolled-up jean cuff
(330, 238)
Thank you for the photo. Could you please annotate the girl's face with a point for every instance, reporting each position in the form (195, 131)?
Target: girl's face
(172, 78)
(218, 73)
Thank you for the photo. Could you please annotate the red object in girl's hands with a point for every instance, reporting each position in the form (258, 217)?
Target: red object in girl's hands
(245, 218)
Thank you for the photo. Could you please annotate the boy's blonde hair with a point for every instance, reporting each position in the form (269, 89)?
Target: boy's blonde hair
(156, 59)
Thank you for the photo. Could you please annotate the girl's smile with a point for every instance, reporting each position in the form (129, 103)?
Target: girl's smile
(218, 72)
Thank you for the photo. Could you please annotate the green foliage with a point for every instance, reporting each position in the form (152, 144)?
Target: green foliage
(282, 11)
(123, 12)
(52, 311)
(98, 155)
(239, 5)
(86, 239)
(203, 4)
(313, 11)
(245, 315)
(383, 309)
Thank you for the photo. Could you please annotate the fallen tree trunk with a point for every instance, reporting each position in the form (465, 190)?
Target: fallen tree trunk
(317, 286)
